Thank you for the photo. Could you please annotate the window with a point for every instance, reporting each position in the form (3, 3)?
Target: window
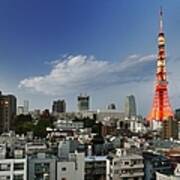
(18, 177)
(5, 167)
(18, 166)
(4, 177)
(63, 169)
(126, 163)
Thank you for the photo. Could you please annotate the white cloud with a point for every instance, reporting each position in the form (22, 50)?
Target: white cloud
(75, 74)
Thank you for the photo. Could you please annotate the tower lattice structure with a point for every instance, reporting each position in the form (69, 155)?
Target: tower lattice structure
(161, 109)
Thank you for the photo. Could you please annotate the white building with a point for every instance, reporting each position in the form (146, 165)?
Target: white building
(26, 106)
(68, 125)
(71, 168)
(126, 166)
(20, 110)
(42, 166)
(12, 168)
(34, 147)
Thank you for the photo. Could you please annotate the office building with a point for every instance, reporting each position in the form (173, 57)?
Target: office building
(170, 129)
(130, 106)
(20, 110)
(59, 106)
(42, 166)
(111, 107)
(177, 114)
(83, 103)
(26, 106)
(7, 112)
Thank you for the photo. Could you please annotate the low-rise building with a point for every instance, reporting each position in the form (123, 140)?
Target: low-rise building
(42, 166)
(174, 176)
(14, 167)
(126, 166)
(96, 168)
(69, 125)
(71, 168)
(155, 163)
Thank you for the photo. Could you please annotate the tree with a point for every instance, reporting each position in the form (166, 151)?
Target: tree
(23, 124)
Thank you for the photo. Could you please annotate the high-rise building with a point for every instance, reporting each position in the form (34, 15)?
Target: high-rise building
(170, 129)
(111, 106)
(26, 106)
(83, 103)
(130, 106)
(161, 109)
(7, 112)
(20, 110)
(59, 106)
(177, 114)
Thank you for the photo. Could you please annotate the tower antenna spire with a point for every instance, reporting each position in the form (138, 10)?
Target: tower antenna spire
(161, 20)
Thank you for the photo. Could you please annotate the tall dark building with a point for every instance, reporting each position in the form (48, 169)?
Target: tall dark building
(7, 112)
(170, 128)
(177, 114)
(83, 103)
(59, 106)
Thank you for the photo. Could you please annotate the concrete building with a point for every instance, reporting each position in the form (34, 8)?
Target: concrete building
(107, 115)
(59, 106)
(42, 166)
(14, 167)
(20, 110)
(154, 163)
(83, 103)
(178, 123)
(130, 106)
(170, 129)
(126, 166)
(35, 147)
(177, 114)
(174, 176)
(96, 168)
(111, 106)
(134, 124)
(7, 112)
(71, 168)
(26, 106)
(68, 125)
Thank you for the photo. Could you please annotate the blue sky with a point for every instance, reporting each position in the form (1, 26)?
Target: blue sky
(60, 48)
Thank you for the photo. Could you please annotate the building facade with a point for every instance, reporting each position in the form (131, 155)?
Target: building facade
(71, 168)
(126, 166)
(130, 106)
(83, 103)
(59, 106)
(7, 112)
(42, 166)
(12, 167)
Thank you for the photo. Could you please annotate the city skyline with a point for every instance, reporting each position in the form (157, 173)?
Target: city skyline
(105, 49)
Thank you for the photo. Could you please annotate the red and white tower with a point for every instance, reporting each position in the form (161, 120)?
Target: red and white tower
(161, 109)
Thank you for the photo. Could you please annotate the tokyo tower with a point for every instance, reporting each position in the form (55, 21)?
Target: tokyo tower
(161, 109)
